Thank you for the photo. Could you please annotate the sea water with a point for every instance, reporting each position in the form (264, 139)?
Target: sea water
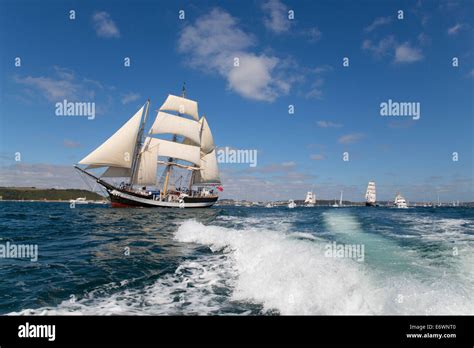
(96, 260)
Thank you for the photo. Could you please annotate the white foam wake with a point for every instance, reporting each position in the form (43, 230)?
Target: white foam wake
(277, 270)
(294, 277)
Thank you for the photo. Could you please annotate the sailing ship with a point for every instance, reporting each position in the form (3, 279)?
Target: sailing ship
(189, 159)
(370, 195)
(310, 199)
(400, 202)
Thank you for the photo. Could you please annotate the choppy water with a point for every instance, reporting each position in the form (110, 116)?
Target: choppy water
(237, 260)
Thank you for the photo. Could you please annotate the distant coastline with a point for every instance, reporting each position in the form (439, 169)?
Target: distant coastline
(27, 194)
(33, 194)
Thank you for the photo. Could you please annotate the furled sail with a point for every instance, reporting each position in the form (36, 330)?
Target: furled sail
(209, 172)
(117, 151)
(370, 195)
(147, 166)
(181, 105)
(189, 153)
(167, 123)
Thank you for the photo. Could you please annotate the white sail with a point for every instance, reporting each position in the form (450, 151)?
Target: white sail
(370, 195)
(117, 172)
(207, 141)
(209, 172)
(189, 153)
(167, 123)
(181, 105)
(147, 165)
(117, 151)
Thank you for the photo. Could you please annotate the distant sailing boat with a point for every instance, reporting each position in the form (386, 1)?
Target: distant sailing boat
(127, 155)
(310, 199)
(335, 205)
(370, 195)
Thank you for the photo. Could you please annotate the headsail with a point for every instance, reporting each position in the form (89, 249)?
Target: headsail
(117, 172)
(118, 150)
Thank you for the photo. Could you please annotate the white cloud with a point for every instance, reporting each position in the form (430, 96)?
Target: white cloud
(380, 49)
(424, 39)
(64, 73)
(388, 46)
(328, 124)
(405, 53)
(377, 23)
(317, 157)
(41, 175)
(214, 41)
(454, 30)
(104, 25)
(350, 138)
(315, 90)
(276, 16)
(322, 69)
(71, 144)
(62, 85)
(130, 97)
(312, 34)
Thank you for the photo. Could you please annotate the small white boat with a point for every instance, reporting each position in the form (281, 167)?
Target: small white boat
(400, 202)
(79, 200)
(269, 205)
(291, 204)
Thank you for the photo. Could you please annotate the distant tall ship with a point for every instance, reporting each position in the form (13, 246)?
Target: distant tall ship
(400, 202)
(310, 199)
(370, 196)
(190, 176)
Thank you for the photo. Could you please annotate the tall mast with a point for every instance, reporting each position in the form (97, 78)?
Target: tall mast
(170, 159)
(138, 144)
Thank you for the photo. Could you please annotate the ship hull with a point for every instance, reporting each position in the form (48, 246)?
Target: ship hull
(124, 199)
(368, 204)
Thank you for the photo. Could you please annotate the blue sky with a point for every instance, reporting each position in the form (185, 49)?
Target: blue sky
(283, 62)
